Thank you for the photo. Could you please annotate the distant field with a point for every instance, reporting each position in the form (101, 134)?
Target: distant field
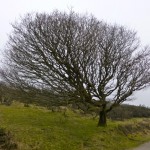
(35, 128)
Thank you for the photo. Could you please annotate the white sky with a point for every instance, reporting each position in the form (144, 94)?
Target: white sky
(134, 14)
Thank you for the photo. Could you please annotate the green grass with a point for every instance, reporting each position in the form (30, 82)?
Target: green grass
(35, 128)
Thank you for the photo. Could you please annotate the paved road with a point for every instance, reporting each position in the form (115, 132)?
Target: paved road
(145, 146)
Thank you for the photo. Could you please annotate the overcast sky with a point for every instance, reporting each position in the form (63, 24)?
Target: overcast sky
(134, 14)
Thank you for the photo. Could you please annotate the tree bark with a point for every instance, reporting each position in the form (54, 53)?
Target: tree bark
(102, 117)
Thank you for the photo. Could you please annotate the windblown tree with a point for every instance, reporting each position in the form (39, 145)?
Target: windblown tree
(77, 58)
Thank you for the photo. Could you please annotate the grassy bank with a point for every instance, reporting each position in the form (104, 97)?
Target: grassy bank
(35, 128)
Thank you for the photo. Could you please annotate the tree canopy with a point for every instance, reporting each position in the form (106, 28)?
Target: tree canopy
(77, 58)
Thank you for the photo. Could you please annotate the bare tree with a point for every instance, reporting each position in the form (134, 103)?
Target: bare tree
(77, 58)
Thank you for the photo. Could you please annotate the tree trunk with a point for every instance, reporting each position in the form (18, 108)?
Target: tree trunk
(102, 118)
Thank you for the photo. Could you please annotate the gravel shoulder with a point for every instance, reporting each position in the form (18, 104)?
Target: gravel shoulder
(145, 146)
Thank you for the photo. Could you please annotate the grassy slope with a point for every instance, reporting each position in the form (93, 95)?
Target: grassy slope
(40, 129)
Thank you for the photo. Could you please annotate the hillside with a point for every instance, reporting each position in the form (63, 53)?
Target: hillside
(36, 128)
